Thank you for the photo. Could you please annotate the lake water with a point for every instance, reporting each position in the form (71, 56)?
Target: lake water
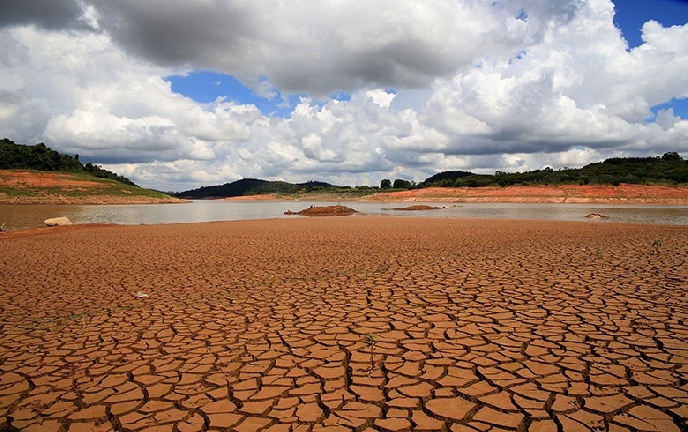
(18, 217)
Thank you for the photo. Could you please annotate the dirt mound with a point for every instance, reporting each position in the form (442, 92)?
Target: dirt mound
(338, 210)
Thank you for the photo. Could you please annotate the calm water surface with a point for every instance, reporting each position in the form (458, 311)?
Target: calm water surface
(31, 216)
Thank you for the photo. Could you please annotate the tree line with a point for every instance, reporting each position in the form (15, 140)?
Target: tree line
(668, 169)
(39, 157)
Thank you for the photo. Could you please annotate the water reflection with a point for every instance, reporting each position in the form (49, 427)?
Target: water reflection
(32, 216)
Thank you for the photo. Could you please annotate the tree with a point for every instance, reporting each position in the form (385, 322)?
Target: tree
(672, 157)
(401, 184)
(385, 184)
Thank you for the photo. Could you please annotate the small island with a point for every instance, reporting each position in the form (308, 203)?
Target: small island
(336, 210)
(418, 207)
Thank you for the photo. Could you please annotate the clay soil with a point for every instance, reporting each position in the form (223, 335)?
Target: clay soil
(623, 194)
(262, 325)
(60, 188)
(592, 194)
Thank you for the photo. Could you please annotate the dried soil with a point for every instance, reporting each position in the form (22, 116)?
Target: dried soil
(261, 325)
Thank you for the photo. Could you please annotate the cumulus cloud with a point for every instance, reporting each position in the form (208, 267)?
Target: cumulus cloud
(436, 85)
(54, 14)
(312, 46)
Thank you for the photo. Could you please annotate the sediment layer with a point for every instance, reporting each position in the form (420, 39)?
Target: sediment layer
(262, 325)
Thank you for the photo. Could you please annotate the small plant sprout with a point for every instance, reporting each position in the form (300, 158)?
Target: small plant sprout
(656, 244)
(371, 341)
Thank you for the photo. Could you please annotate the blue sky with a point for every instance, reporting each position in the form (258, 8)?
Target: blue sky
(206, 86)
(630, 17)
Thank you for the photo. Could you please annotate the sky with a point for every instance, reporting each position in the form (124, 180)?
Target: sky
(178, 95)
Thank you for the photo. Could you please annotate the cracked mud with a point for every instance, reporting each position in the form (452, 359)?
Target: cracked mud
(262, 325)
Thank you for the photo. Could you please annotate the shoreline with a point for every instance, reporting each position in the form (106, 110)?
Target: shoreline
(566, 194)
(46, 189)
(380, 218)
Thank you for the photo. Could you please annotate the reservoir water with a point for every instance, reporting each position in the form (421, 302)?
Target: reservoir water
(18, 217)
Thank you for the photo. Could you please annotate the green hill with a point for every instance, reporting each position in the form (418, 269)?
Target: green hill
(41, 158)
(667, 170)
(250, 186)
(39, 175)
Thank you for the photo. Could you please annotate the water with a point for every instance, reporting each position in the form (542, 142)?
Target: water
(18, 217)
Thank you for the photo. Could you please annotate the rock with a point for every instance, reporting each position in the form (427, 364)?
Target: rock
(595, 216)
(58, 221)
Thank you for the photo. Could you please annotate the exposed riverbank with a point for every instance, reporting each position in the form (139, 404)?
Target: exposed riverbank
(29, 187)
(572, 194)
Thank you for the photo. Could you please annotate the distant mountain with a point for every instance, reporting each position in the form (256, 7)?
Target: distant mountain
(669, 169)
(250, 186)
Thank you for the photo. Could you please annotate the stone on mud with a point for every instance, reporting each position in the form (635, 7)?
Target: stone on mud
(57, 221)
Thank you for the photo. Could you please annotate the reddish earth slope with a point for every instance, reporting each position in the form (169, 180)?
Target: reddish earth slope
(623, 194)
(35, 187)
(630, 194)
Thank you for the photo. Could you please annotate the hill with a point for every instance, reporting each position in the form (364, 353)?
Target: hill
(649, 179)
(44, 187)
(667, 170)
(41, 158)
(250, 186)
(39, 175)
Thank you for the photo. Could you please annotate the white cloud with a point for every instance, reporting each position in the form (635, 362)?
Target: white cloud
(475, 87)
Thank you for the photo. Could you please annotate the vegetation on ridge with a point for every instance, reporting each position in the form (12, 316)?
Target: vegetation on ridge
(39, 175)
(669, 169)
(41, 158)
(251, 186)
